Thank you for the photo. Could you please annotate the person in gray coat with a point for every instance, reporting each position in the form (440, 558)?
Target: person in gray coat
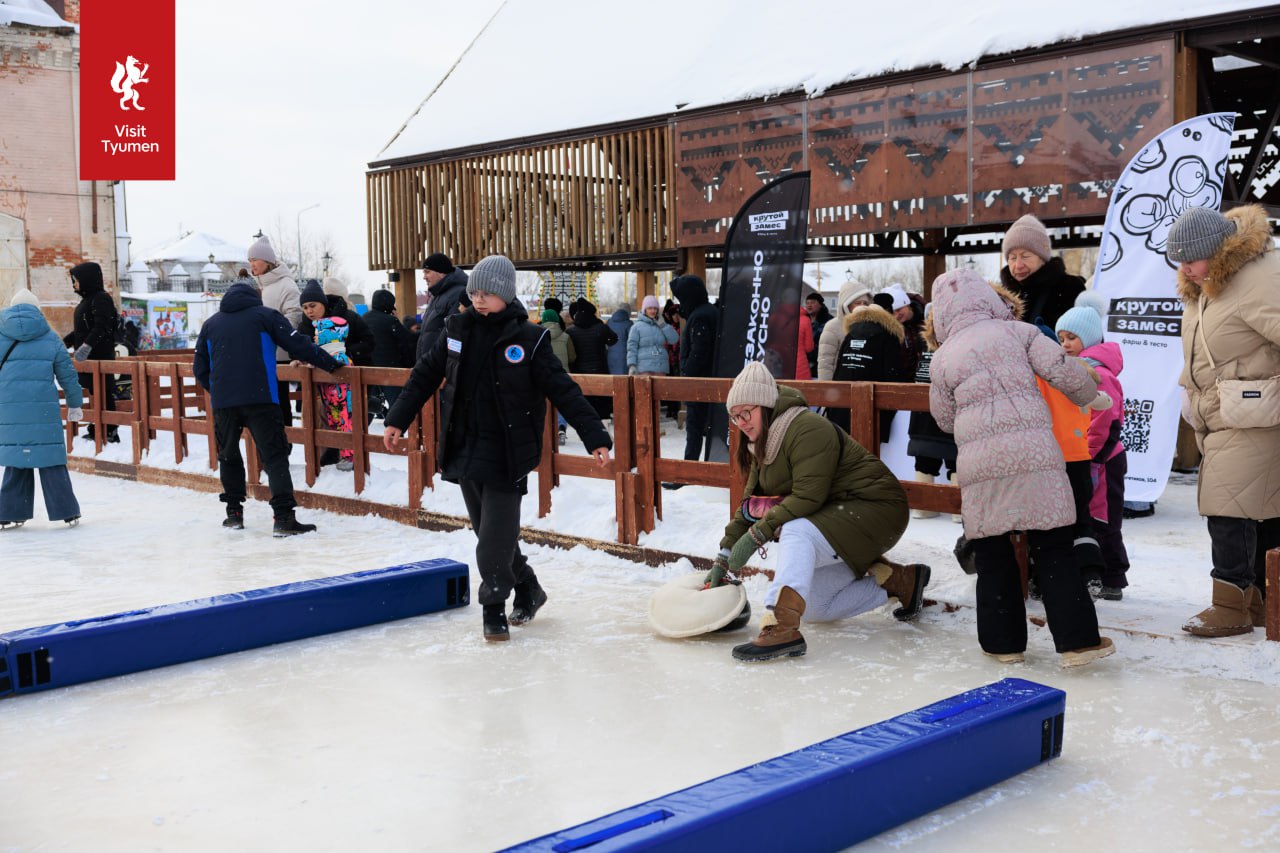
(648, 341)
(280, 292)
(32, 358)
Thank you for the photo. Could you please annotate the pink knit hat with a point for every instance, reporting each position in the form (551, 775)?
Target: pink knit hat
(1027, 233)
(650, 301)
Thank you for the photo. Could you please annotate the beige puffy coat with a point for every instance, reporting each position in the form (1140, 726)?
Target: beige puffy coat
(1240, 473)
(833, 333)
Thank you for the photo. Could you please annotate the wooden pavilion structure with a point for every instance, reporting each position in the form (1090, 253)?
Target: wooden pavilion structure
(913, 163)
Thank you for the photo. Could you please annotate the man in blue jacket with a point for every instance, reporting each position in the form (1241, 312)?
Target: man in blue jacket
(235, 362)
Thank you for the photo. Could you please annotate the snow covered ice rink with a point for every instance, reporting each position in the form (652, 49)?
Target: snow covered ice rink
(417, 735)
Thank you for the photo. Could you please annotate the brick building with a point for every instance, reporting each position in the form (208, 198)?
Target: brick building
(50, 220)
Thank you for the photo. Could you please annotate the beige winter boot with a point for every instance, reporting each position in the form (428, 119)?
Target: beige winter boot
(1257, 607)
(1089, 654)
(922, 477)
(1228, 616)
(955, 516)
(780, 635)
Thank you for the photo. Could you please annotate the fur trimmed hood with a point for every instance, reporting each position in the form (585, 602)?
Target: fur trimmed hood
(1251, 240)
(875, 314)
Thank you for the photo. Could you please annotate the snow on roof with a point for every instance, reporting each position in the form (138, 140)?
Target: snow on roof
(32, 13)
(196, 247)
(676, 53)
(177, 270)
(139, 265)
(213, 268)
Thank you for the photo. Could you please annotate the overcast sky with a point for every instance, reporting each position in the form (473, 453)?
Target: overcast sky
(282, 104)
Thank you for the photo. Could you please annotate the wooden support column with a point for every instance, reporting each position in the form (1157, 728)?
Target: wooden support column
(1185, 82)
(692, 262)
(646, 284)
(935, 263)
(407, 292)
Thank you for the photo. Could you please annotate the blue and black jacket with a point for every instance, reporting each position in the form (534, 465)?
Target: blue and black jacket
(236, 351)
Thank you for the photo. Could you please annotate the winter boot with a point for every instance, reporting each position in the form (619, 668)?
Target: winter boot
(528, 600)
(495, 623)
(1257, 607)
(779, 631)
(955, 516)
(73, 521)
(1080, 657)
(1006, 657)
(905, 583)
(235, 517)
(922, 477)
(1111, 593)
(287, 525)
(1228, 616)
(11, 525)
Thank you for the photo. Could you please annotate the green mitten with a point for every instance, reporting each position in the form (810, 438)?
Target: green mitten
(718, 575)
(747, 544)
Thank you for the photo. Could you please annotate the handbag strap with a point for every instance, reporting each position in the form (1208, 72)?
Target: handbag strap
(1200, 331)
(7, 353)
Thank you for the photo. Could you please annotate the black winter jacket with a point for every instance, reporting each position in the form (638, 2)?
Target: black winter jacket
(591, 339)
(446, 295)
(359, 343)
(498, 372)
(95, 316)
(701, 328)
(235, 355)
(870, 352)
(391, 342)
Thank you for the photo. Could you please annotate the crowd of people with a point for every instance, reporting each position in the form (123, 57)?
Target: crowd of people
(1026, 417)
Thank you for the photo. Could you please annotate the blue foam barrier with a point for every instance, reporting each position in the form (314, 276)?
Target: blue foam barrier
(839, 792)
(104, 646)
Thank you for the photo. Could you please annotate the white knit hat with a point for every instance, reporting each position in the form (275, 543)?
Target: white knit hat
(335, 287)
(24, 297)
(753, 387)
(261, 251)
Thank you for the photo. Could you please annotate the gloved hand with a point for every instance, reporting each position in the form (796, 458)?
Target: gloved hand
(1101, 403)
(719, 574)
(82, 353)
(75, 415)
(631, 371)
(751, 541)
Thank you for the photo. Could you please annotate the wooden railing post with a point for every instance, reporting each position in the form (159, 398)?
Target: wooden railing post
(1272, 604)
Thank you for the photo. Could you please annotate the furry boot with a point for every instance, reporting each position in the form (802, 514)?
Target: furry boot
(1228, 615)
(905, 583)
(779, 631)
(922, 477)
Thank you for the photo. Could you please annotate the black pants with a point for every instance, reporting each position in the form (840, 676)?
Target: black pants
(697, 424)
(932, 465)
(1002, 614)
(1240, 548)
(1085, 546)
(108, 401)
(264, 423)
(1110, 539)
(495, 518)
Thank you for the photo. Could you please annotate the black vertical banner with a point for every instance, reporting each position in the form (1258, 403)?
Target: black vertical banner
(760, 290)
(763, 278)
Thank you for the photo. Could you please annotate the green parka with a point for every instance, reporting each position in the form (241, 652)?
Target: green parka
(827, 477)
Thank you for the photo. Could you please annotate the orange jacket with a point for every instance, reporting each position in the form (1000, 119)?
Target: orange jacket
(1070, 423)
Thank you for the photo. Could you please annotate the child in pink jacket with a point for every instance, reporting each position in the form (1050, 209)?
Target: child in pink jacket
(1011, 472)
(1080, 329)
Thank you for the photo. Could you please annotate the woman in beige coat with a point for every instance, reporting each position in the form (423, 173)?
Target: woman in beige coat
(1229, 283)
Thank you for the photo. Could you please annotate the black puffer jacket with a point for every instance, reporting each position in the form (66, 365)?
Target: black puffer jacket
(446, 295)
(494, 403)
(591, 339)
(1046, 294)
(96, 315)
(870, 352)
(702, 324)
(391, 341)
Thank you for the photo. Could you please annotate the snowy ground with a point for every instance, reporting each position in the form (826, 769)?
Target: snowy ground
(417, 735)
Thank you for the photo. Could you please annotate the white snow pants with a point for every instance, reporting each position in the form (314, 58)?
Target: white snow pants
(808, 564)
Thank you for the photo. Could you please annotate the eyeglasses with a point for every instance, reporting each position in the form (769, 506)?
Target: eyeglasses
(743, 416)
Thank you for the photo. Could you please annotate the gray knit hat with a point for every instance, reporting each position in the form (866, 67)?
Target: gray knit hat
(753, 387)
(1197, 234)
(495, 275)
(1027, 233)
(261, 251)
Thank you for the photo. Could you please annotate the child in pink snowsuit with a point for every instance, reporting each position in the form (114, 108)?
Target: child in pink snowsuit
(335, 399)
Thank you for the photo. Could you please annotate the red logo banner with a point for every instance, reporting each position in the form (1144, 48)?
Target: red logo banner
(127, 90)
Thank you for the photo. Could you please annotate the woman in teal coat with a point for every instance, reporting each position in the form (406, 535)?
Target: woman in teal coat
(833, 508)
(31, 435)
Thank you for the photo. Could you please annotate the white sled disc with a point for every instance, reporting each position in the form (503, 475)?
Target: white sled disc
(682, 608)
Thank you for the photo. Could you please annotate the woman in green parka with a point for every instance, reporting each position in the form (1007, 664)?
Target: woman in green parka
(833, 508)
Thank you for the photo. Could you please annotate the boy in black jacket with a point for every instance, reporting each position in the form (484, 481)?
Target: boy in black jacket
(501, 371)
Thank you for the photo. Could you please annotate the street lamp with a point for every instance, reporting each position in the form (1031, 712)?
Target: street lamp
(327, 258)
(299, 221)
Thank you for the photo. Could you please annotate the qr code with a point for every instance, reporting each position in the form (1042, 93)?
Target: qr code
(1136, 432)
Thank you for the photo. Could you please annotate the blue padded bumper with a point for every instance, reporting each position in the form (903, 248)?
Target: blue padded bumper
(836, 793)
(88, 649)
